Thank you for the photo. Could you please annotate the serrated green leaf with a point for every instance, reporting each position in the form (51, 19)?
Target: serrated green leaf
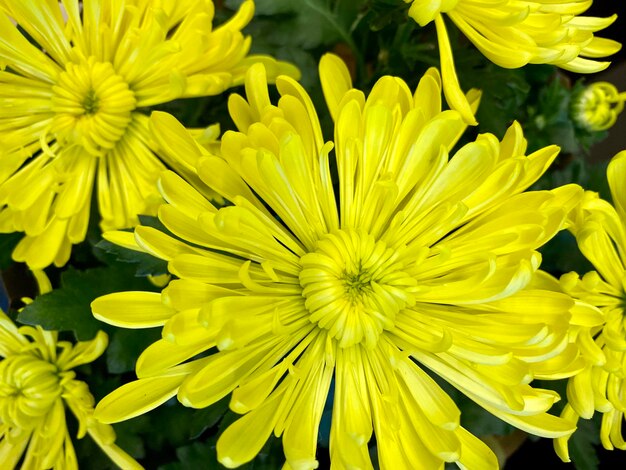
(68, 307)
(145, 264)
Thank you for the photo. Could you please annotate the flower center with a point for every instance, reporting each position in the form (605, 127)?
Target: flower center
(354, 286)
(92, 105)
(90, 102)
(28, 389)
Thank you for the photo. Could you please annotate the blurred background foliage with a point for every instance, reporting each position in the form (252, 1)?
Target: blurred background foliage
(375, 38)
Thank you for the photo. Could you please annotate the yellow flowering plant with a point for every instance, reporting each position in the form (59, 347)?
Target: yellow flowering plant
(600, 230)
(332, 272)
(75, 78)
(38, 386)
(424, 264)
(514, 33)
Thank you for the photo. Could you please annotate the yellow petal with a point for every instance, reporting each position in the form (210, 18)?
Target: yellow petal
(243, 439)
(136, 398)
(162, 355)
(474, 452)
(452, 90)
(116, 454)
(336, 81)
(616, 174)
(132, 309)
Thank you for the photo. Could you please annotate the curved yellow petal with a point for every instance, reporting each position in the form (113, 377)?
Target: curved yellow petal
(243, 439)
(451, 88)
(132, 309)
(136, 398)
(336, 81)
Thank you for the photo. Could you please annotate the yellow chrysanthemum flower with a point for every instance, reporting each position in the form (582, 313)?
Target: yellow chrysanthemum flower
(513, 33)
(422, 263)
(598, 106)
(37, 385)
(73, 79)
(600, 230)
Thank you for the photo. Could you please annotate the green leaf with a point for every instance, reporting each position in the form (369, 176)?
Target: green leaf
(175, 418)
(125, 346)
(129, 438)
(265, 7)
(504, 90)
(195, 456)
(270, 457)
(597, 180)
(561, 255)
(144, 263)
(206, 418)
(305, 24)
(480, 422)
(152, 221)
(582, 445)
(90, 455)
(68, 307)
(383, 13)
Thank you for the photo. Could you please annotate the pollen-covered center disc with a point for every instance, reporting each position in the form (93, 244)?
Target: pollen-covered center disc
(93, 106)
(354, 286)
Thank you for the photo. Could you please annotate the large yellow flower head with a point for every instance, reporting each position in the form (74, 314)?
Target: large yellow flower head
(513, 33)
(422, 265)
(73, 78)
(600, 230)
(37, 387)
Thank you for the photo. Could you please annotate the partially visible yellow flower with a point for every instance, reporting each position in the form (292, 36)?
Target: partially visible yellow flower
(37, 388)
(600, 229)
(598, 106)
(421, 263)
(74, 77)
(513, 33)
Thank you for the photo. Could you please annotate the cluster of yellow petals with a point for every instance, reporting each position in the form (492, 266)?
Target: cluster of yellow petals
(74, 77)
(600, 229)
(350, 285)
(598, 106)
(425, 262)
(513, 33)
(37, 387)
